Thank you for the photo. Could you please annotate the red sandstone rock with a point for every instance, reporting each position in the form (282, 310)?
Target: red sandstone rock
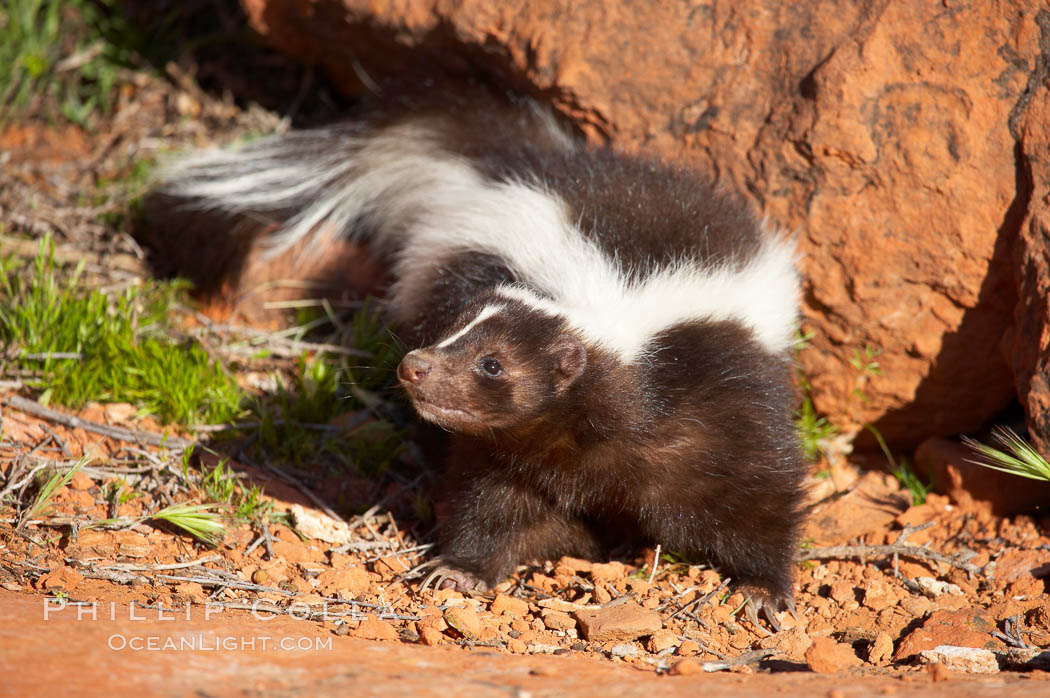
(464, 620)
(964, 628)
(607, 571)
(881, 649)
(430, 636)
(825, 656)
(352, 580)
(624, 622)
(686, 667)
(61, 578)
(371, 628)
(131, 544)
(965, 659)
(558, 620)
(875, 501)
(509, 605)
(81, 481)
(1028, 345)
(1017, 563)
(661, 640)
(575, 565)
(938, 672)
(883, 133)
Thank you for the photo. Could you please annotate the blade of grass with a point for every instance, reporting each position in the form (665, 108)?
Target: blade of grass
(54, 483)
(199, 520)
(1019, 457)
(903, 472)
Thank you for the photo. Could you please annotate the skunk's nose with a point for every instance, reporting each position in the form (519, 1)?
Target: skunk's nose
(413, 368)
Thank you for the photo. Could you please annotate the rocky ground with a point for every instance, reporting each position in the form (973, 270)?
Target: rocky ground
(891, 596)
(885, 587)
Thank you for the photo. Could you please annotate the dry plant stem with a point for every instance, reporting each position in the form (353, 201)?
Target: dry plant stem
(66, 453)
(232, 584)
(273, 342)
(710, 650)
(216, 428)
(402, 551)
(160, 568)
(678, 595)
(24, 481)
(66, 254)
(114, 576)
(656, 563)
(752, 657)
(860, 551)
(619, 599)
(362, 546)
(255, 544)
(700, 602)
(119, 433)
(268, 540)
(896, 549)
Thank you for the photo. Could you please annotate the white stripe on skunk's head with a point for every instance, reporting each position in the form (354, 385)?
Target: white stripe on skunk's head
(503, 367)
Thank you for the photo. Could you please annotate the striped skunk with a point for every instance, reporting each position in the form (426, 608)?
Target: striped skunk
(606, 336)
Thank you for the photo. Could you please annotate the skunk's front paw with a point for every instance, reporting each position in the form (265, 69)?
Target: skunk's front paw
(446, 576)
(760, 601)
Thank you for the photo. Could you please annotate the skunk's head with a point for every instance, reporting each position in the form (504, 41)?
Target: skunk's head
(502, 365)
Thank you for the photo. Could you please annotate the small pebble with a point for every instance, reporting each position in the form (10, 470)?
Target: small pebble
(624, 650)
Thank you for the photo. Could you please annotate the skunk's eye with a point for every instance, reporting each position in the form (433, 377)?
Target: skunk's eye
(490, 367)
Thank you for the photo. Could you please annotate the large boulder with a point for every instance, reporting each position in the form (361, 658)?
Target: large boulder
(1028, 344)
(887, 136)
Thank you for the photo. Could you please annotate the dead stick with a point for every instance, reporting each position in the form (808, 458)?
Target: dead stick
(912, 551)
(244, 586)
(747, 658)
(268, 540)
(700, 601)
(67, 255)
(162, 568)
(119, 433)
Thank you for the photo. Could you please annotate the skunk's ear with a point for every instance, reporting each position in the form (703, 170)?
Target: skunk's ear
(571, 359)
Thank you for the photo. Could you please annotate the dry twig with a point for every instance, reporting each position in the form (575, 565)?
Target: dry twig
(119, 433)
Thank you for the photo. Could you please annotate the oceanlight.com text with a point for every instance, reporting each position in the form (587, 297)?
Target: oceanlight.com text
(207, 642)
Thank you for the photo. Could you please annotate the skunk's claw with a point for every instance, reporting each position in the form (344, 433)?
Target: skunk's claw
(446, 576)
(758, 601)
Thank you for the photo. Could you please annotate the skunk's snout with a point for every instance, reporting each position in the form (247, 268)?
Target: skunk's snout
(413, 369)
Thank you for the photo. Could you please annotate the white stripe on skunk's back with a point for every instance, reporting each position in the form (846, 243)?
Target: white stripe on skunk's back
(624, 317)
(529, 229)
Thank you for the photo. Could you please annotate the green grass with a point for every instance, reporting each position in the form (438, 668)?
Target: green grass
(89, 345)
(1014, 455)
(813, 429)
(67, 54)
(911, 480)
(294, 420)
(47, 490)
(199, 520)
(903, 471)
(369, 334)
(73, 344)
(244, 502)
